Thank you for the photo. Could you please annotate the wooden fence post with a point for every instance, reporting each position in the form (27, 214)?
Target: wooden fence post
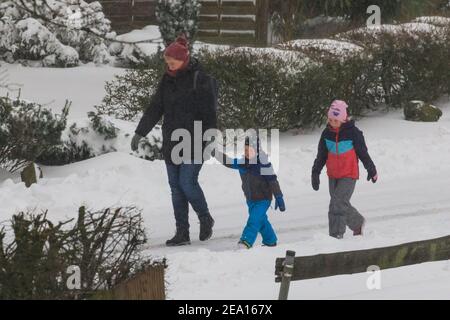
(262, 22)
(286, 275)
(28, 175)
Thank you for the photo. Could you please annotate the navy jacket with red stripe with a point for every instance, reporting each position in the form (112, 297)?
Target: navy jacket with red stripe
(340, 149)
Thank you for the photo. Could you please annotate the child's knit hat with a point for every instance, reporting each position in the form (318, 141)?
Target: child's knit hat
(252, 141)
(338, 111)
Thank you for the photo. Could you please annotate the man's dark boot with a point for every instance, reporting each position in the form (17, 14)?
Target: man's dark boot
(206, 224)
(359, 231)
(181, 238)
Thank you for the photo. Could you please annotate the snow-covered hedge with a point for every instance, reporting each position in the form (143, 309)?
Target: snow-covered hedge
(292, 85)
(411, 59)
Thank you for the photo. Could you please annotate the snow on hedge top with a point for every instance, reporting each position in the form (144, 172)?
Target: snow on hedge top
(292, 60)
(336, 48)
(434, 20)
(150, 32)
(369, 35)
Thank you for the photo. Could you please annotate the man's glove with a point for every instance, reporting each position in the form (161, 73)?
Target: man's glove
(135, 142)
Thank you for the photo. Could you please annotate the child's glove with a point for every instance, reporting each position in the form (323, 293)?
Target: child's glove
(135, 142)
(372, 175)
(279, 203)
(315, 181)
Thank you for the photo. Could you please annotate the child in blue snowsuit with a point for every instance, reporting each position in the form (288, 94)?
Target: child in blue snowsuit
(259, 183)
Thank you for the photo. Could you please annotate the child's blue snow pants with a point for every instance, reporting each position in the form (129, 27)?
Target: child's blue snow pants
(258, 222)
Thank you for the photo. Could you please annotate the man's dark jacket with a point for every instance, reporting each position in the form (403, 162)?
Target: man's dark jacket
(179, 104)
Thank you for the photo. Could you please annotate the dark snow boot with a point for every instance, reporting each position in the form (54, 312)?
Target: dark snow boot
(244, 244)
(181, 238)
(206, 225)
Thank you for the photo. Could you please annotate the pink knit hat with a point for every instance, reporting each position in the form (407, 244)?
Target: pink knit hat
(338, 111)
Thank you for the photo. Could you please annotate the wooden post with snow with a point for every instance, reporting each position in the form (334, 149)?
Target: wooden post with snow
(30, 174)
(286, 275)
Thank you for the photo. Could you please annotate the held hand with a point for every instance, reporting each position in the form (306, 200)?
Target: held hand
(279, 203)
(315, 181)
(135, 142)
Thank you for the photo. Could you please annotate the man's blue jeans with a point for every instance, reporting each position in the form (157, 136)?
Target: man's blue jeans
(183, 181)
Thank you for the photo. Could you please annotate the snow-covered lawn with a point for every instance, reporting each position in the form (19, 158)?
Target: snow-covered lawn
(410, 202)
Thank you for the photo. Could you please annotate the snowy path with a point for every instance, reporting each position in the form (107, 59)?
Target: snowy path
(411, 202)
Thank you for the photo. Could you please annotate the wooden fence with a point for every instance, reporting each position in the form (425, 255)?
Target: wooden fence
(294, 268)
(126, 15)
(244, 22)
(234, 22)
(147, 285)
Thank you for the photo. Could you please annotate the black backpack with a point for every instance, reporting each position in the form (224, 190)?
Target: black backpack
(214, 85)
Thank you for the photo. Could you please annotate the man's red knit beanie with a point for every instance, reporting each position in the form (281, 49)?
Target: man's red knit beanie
(178, 49)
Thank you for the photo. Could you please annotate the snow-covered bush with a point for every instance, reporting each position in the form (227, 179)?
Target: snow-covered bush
(36, 41)
(97, 135)
(176, 17)
(56, 33)
(76, 15)
(140, 54)
(27, 130)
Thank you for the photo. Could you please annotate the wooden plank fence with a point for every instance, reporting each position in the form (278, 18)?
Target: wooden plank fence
(146, 285)
(244, 22)
(126, 15)
(294, 268)
(234, 22)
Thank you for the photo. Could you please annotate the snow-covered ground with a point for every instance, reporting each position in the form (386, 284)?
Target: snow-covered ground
(410, 202)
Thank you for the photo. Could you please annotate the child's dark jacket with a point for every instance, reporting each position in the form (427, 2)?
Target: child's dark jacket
(259, 181)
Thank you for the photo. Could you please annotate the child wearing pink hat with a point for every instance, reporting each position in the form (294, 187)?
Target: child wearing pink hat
(341, 146)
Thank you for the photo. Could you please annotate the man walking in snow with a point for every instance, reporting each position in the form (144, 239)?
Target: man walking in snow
(185, 94)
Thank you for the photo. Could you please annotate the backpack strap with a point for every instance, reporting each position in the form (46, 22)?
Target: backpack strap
(195, 79)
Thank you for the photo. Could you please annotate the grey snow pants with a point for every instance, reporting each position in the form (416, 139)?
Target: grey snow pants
(341, 212)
